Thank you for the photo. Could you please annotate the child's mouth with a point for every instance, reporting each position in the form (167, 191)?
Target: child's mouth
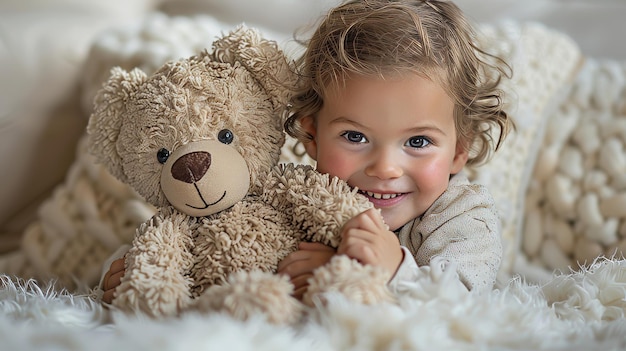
(380, 196)
(382, 199)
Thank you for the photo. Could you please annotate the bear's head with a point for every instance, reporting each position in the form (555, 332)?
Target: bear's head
(200, 132)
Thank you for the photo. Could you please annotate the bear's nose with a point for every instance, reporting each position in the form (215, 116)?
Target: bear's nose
(191, 167)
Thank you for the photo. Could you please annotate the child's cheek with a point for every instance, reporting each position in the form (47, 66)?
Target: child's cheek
(336, 164)
(432, 176)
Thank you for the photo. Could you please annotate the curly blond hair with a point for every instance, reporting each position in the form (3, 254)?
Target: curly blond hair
(386, 38)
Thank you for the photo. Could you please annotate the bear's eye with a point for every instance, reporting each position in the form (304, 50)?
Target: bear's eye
(225, 136)
(162, 155)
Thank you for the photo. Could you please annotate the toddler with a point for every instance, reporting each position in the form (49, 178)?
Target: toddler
(396, 99)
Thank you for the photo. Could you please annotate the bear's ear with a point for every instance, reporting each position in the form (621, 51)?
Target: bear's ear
(106, 121)
(261, 57)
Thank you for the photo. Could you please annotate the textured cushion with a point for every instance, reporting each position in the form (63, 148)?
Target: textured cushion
(146, 44)
(42, 47)
(576, 202)
(544, 61)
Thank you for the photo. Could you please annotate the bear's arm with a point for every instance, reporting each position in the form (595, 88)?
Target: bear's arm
(318, 204)
(156, 279)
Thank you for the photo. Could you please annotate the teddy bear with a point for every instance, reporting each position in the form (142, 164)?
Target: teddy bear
(200, 139)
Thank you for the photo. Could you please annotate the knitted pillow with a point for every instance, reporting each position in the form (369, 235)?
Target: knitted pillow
(576, 202)
(544, 61)
(146, 44)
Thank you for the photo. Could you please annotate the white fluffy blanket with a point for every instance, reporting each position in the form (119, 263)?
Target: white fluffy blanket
(583, 310)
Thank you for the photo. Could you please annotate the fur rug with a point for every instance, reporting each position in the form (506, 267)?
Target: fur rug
(582, 310)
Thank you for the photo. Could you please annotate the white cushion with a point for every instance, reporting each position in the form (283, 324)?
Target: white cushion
(44, 44)
(576, 202)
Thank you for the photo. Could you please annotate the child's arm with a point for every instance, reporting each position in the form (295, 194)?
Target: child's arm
(299, 265)
(367, 239)
(460, 227)
(472, 241)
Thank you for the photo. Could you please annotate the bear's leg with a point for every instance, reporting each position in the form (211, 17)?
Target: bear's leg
(155, 281)
(356, 282)
(248, 294)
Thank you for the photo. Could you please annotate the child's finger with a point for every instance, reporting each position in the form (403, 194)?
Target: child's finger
(117, 265)
(299, 293)
(361, 251)
(354, 241)
(107, 297)
(355, 235)
(362, 221)
(301, 284)
(294, 264)
(116, 279)
(376, 218)
(301, 280)
(314, 246)
(290, 259)
(105, 280)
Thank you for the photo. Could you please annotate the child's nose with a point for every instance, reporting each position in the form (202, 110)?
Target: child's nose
(384, 166)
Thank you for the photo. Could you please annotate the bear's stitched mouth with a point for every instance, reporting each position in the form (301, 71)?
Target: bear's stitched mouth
(206, 204)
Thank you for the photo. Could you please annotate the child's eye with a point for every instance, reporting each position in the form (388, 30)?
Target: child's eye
(417, 142)
(354, 137)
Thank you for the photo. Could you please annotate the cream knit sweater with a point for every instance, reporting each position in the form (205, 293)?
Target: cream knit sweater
(461, 227)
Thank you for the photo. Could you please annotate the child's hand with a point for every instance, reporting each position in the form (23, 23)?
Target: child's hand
(299, 265)
(367, 239)
(112, 279)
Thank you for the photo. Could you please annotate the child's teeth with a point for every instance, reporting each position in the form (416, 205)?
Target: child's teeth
(381, 196)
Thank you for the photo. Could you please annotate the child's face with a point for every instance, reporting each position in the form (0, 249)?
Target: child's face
(394, 139)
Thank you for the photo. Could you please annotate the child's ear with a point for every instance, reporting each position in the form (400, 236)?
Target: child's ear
(310, 145)
(461, 155)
